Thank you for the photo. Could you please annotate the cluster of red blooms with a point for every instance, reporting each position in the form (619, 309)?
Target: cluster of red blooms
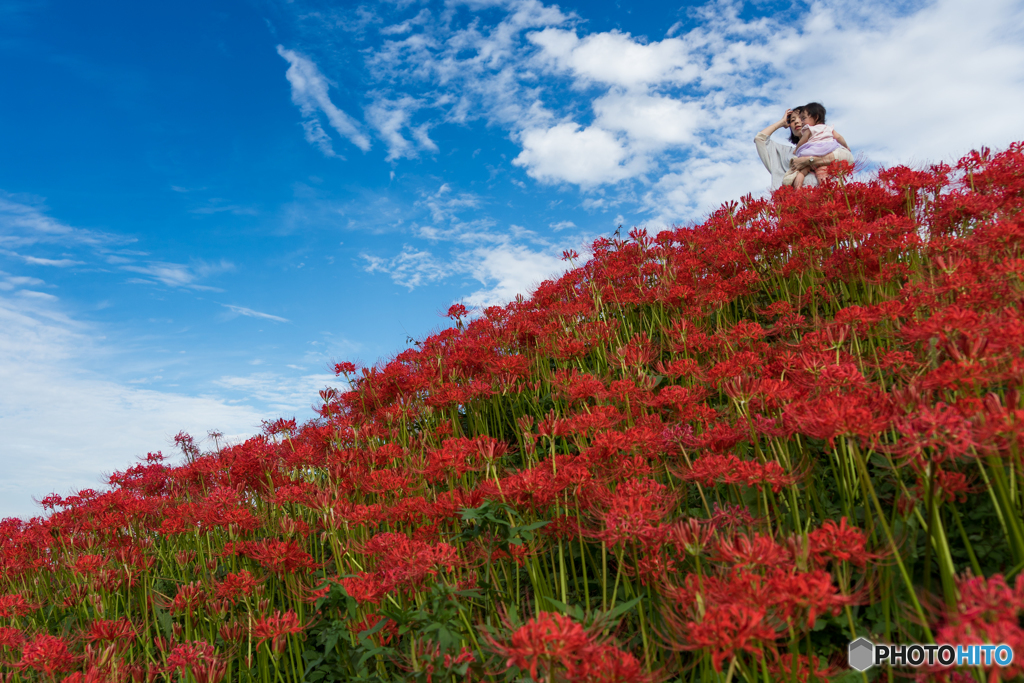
(734, 431)
(555, 644)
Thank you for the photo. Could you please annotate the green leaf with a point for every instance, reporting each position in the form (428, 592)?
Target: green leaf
(622, 609)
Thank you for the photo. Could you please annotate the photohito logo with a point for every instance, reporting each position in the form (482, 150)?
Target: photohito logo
(863, 654)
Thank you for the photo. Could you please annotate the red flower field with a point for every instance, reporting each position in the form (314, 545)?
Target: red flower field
(720, 453)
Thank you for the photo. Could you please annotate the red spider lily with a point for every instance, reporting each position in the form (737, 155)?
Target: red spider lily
(189, 656)
(429, 660)
(15, 605)
(634, 512)
(935, 435)
(11, 637)
(119, 631)
(407, 563)
(729, 517)
(988, 611)
(801, 669)
(457, 311)
(279, 557)
(839, 542)
(830, 416)
(237, 585)
(753, 551)
(93, 675)
(277, 628)
(88, 565)
(548, 640)
(212, 670)
(47, 654)
(607, 664)
(279, 426)
(345, 368)
(710, 469)
(189, 599)
(728, 630)
(812, 591)
(689, 535)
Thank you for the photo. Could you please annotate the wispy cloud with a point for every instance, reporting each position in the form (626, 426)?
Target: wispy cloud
(408, 25)
(310, 94)
(283, 394)
(33, 294)
(24, 222)
(410, 268)
(9, 282)
(215, 206)
(242, 310)
(180, 274)
(37, 261)
(391, 117)
(445, 205)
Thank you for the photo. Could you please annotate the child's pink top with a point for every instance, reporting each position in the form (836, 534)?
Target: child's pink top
(820, 143)
(820, 133)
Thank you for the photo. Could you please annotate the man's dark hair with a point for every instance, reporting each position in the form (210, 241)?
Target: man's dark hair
(815, 111)
(797, 111)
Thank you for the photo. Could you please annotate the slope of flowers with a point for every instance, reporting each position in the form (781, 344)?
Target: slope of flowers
(716, 454)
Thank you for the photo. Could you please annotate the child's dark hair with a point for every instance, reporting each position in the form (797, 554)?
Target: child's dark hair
(815, 111)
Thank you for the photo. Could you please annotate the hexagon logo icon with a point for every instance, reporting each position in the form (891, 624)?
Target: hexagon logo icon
(861, 654)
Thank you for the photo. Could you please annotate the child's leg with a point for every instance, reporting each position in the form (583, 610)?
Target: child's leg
(821, 173)
(798, 182)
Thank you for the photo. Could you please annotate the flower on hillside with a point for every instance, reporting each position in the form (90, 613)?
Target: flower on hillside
(15, 605)
(118, 631)
(276, 628)
(47, 654)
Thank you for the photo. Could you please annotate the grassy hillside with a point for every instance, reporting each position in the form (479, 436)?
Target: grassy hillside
(715, 454)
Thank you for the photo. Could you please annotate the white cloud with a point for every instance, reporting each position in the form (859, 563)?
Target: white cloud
(410, 268)
(617, 59)
(477, 69)
(565, 153)
(407, 25)
(282, 394)
(561, 225)
(242, 310)
(390, 117)
(652, 122)
(310, 94)
(508, 270)
(62, 426)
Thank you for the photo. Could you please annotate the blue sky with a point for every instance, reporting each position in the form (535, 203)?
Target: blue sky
(203, 205)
